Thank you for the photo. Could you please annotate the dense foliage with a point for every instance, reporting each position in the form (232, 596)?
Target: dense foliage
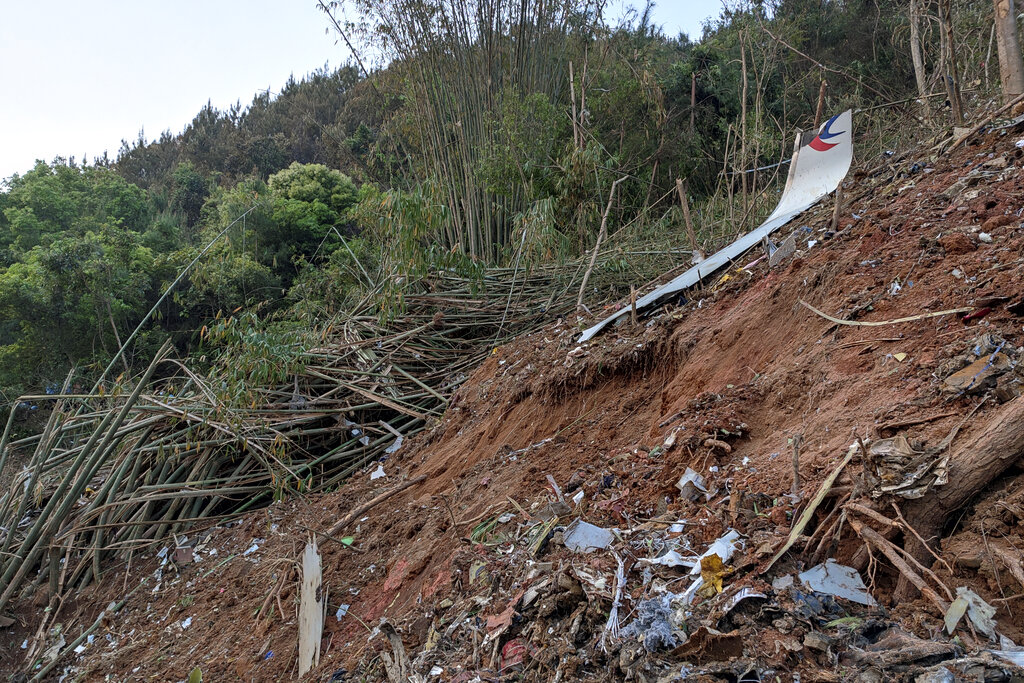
(492, 135)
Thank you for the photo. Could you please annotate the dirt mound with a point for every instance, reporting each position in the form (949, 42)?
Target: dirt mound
(736, 385)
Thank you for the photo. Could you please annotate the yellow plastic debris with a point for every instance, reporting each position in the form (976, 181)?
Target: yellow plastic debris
(713, 571)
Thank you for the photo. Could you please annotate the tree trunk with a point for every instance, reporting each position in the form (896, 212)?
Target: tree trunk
(693, 99)
(743, 124)
(597, 245)
(951, 75)
(915, 53)
(1011, 65)
(973, 465)
(821, 104)
(684, 202)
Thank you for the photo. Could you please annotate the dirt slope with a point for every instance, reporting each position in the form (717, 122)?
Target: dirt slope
(481, 587)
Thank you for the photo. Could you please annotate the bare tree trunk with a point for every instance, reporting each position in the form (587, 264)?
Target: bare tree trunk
(572, 98)
(743, 124)
(684, 202)
(583, 94)
(917, 56)
(693, 99)
(821, 104)
(1011, 65)
(730, 179)
(597, 245)
(988, 54)
(951, 75)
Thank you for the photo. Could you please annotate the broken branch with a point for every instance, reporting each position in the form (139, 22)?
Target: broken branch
(341, 523)
(880, 323)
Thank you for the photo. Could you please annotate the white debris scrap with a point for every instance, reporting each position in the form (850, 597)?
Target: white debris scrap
(837, 580)
(691, 485)
(669, 559)
(978, 611)
(724, 547)
(583, 537)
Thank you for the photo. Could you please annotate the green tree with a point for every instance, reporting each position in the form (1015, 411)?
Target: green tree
(188, 192)
(67, 302)
(51, 201)
(308, 204)
(77, 273)
(226, 281)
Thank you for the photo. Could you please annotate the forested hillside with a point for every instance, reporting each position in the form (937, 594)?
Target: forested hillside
(321, 387)
(454, 140)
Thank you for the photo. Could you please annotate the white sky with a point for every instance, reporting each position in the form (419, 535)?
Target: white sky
(77, 77)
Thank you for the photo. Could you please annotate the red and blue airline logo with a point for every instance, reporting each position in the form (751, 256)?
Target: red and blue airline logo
(820, 143)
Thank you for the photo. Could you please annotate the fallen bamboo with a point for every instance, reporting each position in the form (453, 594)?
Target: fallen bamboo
(985, 121)
(881, 323)
(812, 506)
(161, 457)
(347, 519)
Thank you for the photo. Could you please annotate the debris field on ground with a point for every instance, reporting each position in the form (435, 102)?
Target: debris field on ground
(738, 488)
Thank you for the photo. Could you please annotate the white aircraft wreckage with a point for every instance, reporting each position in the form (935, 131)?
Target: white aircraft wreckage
(820, 162)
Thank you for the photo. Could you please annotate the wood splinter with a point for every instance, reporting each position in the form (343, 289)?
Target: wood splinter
(797, 439)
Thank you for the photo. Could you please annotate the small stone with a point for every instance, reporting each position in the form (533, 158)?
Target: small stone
(985, 237)
(817, 641)
(939, 675)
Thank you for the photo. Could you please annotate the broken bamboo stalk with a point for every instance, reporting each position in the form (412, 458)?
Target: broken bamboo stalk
(808, 513)
(837, 208)
(341, 523)
(985, 121)
(311, 610)
(881, 323)
(597, 245)
(684, 202)
(821, 104)
(796, 465)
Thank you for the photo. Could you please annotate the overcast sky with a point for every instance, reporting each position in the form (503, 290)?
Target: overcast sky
(76, 78)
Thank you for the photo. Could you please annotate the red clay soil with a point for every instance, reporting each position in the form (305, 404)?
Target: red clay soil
(735, 373)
